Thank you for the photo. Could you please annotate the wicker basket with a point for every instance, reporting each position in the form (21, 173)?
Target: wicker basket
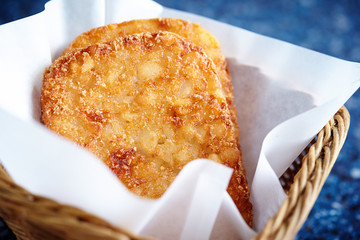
(35, 217)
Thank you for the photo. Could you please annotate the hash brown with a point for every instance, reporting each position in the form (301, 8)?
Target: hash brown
(192, 31)
(146, 104)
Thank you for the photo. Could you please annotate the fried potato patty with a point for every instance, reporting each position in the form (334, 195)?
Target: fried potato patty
(192, 31)
(145, 104)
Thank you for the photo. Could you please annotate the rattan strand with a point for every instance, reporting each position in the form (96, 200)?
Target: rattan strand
(32, 217)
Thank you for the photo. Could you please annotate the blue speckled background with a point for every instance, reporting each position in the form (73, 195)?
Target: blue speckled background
(327, 26)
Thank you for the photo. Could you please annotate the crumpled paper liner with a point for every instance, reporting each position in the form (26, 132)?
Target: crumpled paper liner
(284, 95)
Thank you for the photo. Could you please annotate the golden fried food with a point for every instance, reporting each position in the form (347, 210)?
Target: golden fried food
(145, 104)
(192, 31)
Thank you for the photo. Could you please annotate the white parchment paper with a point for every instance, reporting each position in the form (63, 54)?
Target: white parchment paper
(284, 95)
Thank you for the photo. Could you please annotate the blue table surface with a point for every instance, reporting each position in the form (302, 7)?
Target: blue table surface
(331, 27)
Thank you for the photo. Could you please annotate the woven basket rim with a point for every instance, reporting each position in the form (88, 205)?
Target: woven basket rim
(36, 217)
(307, 178)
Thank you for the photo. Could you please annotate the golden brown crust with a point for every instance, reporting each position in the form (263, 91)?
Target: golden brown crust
(192, 31)
(146, 104)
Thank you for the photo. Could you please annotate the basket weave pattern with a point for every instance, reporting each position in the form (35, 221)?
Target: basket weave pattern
(33, 217)
(310, 175)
